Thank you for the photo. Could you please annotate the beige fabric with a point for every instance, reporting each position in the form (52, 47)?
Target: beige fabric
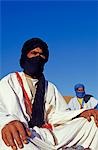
(32, 88)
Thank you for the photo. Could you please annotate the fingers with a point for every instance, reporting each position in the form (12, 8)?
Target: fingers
(88, 113)
(97, 124)
(15, 134)
(10, 140)
(88, 118)
(22, 131)
(28, 132)
(5, 139)
(95, 115)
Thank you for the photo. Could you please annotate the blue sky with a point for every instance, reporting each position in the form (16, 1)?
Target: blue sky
(71, 30)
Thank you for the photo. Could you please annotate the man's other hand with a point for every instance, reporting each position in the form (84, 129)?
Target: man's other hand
(88, 113)
(15, 134)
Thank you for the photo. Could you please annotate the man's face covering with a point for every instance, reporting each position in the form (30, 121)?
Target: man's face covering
(34, 66)
(80, 90)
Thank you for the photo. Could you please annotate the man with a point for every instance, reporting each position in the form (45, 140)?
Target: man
(82, 100)
(34, 115)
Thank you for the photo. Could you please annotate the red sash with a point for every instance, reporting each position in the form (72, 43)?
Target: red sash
(27, 101)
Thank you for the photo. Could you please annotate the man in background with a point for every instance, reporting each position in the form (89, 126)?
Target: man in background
(82, 100)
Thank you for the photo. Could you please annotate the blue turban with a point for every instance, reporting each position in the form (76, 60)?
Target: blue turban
(79, 94)
(79, 85)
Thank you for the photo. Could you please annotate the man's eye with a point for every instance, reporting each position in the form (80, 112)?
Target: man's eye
(34, 53)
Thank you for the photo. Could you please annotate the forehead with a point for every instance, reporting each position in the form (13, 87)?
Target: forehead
(80, 88)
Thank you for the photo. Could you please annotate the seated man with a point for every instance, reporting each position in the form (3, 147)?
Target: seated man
(34, 115)
(82, 100)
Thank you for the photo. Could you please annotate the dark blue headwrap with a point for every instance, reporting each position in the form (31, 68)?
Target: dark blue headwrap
(79, 85)
(32, 44)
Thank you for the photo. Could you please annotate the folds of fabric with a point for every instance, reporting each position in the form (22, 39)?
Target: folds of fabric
(67, 131)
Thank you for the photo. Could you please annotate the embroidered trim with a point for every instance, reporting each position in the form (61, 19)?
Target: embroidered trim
(27, 101)
(48, 126)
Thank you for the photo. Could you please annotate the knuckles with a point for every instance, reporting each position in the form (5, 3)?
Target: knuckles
(10, 126)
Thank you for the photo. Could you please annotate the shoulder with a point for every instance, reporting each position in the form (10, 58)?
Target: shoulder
(52, 86)
(92, 102)
(73, 99)
(87, 97)
(8, 77)
(53, 90)
(93, 99)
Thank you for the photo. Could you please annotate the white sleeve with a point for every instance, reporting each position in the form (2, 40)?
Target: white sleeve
(71, 104)
(5, 95)
(55, 98)
(61, 113)
(93, 102)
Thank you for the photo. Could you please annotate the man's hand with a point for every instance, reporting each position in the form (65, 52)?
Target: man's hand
(88, 113)
(15, 134)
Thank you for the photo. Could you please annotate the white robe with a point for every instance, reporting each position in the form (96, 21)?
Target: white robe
(67, 131)
(74, 104)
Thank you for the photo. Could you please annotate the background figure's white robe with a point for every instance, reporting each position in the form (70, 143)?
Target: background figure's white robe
(74, 104)
(66, 131)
